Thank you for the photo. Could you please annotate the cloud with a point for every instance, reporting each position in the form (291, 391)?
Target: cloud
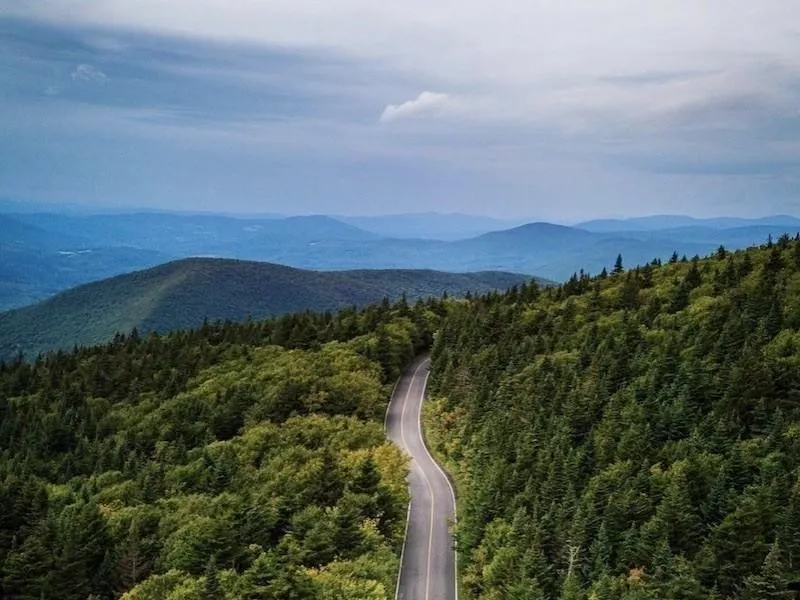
(525, 57)
(597, 105)
(84, 72)
(426, 104)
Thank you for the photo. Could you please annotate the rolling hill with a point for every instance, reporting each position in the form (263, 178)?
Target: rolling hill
(186, 234)
(183, 293)
(45, 253)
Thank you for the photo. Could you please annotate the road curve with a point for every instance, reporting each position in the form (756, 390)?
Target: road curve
(428, 562)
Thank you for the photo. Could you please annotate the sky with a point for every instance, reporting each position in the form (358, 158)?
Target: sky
(559, 110)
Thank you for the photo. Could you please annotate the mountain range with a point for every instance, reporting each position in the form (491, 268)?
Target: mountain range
(42, 253)
(431, 225)
(669, 222)
(181, 294)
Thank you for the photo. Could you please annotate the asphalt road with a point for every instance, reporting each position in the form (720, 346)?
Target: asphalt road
(428, 563)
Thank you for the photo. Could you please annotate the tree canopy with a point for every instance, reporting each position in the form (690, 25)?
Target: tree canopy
(634, 436)
(230, 461)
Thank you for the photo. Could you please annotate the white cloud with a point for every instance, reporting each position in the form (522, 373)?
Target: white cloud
(523, 58)
(88, 73)
(427, 103)
(570, 92)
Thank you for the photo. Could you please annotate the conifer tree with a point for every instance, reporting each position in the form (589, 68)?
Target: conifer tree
(771, 582)
(211, 587)
(618, 266)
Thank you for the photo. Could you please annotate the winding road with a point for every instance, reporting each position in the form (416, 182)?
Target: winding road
(428, 563)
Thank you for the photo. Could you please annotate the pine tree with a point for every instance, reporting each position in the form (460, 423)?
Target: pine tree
(367, 478)
(618, 266)
(526, 589)
(693, 277)
(600, 553)
(211, 587)
(29, 572)
(571, 590)
(771, 582)
(682, 583)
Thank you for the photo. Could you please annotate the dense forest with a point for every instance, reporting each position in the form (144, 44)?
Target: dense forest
(182, 294)
(634, 435)
(629, 436)
(231, 461)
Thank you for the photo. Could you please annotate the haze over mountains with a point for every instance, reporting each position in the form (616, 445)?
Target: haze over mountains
(47, 252)
(671, 222)
(431, 225)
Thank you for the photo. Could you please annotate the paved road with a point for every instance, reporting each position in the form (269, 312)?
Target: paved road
(428, 564)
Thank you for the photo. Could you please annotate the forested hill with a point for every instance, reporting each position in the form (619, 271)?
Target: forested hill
(181, 294)
(632, 436)
(232, 461)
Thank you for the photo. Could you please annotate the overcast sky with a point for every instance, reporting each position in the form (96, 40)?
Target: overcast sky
(560, 110)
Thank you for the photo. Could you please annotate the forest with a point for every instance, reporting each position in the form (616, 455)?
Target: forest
(230, 461)
(634, 435)
(183, 294)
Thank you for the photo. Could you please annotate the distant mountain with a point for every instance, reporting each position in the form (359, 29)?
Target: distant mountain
(431, 225)
(182, 235)
(736, 237)
(45, 253)
(20, 235)
(531, 236)
(181, 294)
(36, 263)
(9, 205)
(557, 251)
(56, 251)
(671, 222)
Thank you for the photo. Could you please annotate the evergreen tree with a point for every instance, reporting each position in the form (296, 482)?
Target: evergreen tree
(618, 267)
(211, 587)
(771, 582)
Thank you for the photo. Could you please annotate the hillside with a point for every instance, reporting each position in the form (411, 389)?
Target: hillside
(633, 436)
(183, 293)
(209, 464)
(60, 250)
(45, 253)
(36, 263)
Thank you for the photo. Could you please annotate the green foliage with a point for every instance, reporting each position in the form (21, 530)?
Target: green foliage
(184, 293)
(771, 581)
(640, 431)
(210, 463)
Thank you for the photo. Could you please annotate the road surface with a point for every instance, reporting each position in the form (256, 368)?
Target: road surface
(428, 562)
